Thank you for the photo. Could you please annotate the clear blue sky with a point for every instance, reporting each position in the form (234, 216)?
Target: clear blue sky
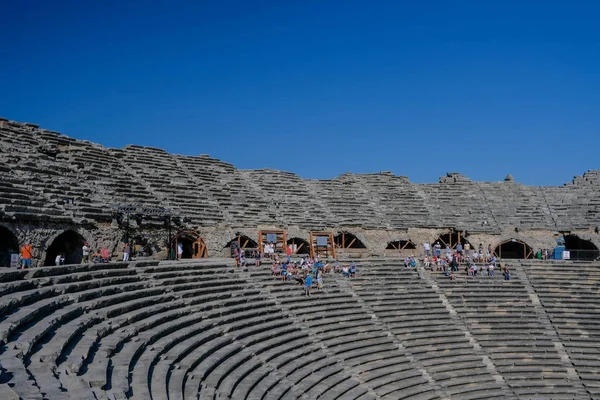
(319, 88)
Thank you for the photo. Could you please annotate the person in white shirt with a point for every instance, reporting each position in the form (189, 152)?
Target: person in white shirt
(491, 269)
(427, 248)
(86, 253)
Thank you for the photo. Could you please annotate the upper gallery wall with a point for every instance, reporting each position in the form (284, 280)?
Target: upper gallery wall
(50, 177)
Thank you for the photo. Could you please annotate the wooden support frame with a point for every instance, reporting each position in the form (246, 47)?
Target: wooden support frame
(343, 244)
(303, 245)
(527, 249)
(280, 243)
(320, 250)
(452, 244)
(199, 249)
(407, 243)
(244, 243)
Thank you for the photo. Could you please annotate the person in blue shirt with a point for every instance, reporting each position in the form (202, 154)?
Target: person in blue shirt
(307, 284)
(352, 269)
(284, 271)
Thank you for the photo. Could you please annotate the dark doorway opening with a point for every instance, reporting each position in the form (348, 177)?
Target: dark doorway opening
(188, 246)
(581, 249)
(69, 243)
(401, 245)
(513, 248)
(9, 244)
(345, 240)
(299, 246)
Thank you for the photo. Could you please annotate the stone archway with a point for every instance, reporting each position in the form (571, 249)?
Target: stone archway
(299, 245)
(9, 244)
(580, 249)
(401, 245)
(70, 244)
(241, 242)
(452, 239)
(513, 248)
(347, 240)
(193, 245)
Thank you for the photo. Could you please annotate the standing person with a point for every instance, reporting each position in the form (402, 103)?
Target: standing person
(288, 251)
(257, 257)
(467, 249)
(86, 253)
(179, 251)
(126, 250)
(26, 253)
(307, 284)
(427, 248)
(459, 248)
(506, 273)
(320, 280)
(237, 257)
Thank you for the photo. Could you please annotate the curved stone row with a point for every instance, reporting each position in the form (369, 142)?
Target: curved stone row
(204, 329)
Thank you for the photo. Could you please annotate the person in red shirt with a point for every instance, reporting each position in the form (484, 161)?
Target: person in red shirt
(289, 254)
(26, 253)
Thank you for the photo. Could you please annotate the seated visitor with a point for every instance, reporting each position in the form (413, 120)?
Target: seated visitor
(345, 271)
(473, 270)
(284, 271)
(491, 269)
(337, 267)
(105, 255)
(352, 269)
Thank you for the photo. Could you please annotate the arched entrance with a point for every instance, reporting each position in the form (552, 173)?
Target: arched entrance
(346, 240)
(401, 245)
(9, 244)
(192, 244)
(243, 242)
(513, 248)
(452, 239)
(580, 249)
(299, 246)
(70, 244)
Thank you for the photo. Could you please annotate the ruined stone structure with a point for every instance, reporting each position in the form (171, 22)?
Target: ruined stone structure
(56, 192)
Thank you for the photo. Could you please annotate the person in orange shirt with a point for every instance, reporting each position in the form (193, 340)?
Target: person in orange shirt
(26, 256)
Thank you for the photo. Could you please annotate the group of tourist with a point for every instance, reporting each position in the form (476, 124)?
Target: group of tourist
(451, 260)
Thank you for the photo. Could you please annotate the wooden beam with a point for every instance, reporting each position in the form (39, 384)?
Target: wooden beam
(351, 243)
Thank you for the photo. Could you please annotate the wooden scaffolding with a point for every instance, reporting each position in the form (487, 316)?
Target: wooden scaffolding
(276, 236)
(322, 244)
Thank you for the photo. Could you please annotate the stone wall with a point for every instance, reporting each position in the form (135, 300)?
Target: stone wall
(50, 183)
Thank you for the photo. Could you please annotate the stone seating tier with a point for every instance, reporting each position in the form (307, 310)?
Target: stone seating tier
(214, 192)
(204, 329)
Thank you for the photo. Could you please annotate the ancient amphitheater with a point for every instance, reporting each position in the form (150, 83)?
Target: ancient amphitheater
(199, 328)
